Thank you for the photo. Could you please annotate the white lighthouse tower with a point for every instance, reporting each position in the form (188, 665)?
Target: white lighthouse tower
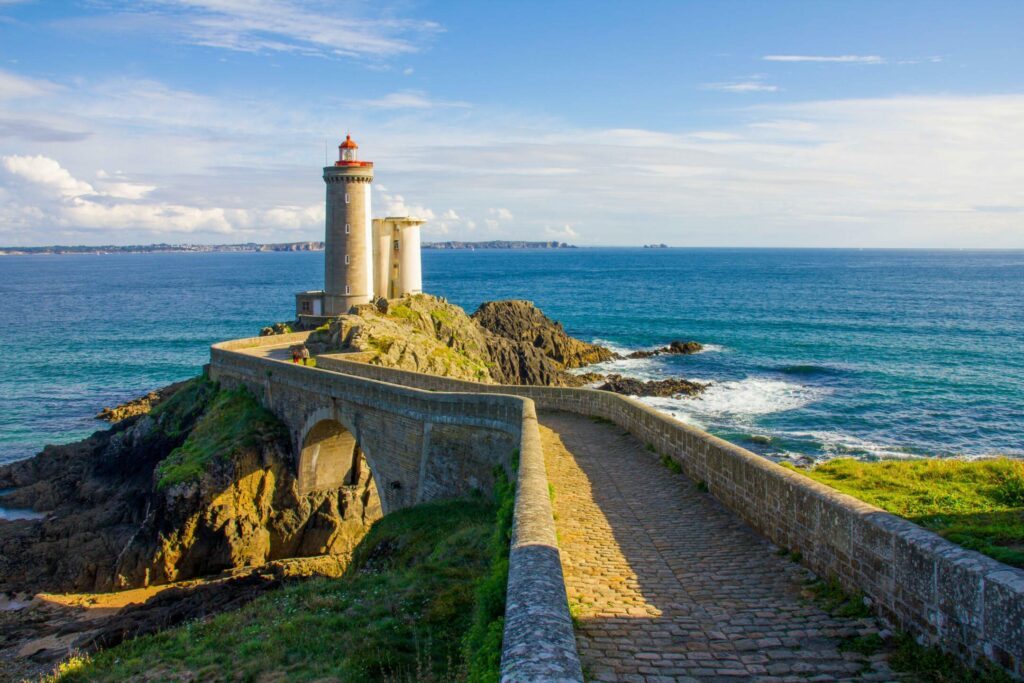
(364, 259)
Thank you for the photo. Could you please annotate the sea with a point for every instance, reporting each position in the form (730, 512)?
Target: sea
(810, 354)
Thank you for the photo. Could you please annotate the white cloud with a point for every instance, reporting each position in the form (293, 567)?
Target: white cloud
(565, 232)
(846, 59)
(46, 173)
(62, 200)
(13, 86)
(395, 205)
(410, 99)
(742, 87)
(899, 171)
(280, 26)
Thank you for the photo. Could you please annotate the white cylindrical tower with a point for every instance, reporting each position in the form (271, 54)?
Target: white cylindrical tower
(381, 258)
(348, 270)
(410, 272)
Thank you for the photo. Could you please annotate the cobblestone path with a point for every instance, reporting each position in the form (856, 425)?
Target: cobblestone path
(667, 585)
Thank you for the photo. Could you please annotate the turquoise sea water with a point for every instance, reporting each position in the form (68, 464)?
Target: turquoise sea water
(828, 352)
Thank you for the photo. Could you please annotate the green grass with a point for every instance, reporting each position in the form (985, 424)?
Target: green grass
(482, 643)
(232, 422)
(978, 504)
(932, 665)
(834, 600)
(422, 592)
(671, 464)
(442, 316)
(177, 414)
(403, 312)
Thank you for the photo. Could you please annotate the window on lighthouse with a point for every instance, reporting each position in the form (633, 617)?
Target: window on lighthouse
(346, 198)
(347, 229)
(348, 154)
(346, 259)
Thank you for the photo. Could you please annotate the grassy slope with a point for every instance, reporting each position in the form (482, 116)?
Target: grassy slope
(402, 611)
(978, 504)
(231, 422)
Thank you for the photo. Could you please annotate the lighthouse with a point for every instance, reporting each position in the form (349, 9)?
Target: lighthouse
(348, 243)
(364, 259)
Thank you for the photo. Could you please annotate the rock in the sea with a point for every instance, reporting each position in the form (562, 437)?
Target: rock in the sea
(662, 387)
(684, 347)
(675, 347)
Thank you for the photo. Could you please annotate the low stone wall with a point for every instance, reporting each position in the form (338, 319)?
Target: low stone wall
(538, 642)
(961, 600)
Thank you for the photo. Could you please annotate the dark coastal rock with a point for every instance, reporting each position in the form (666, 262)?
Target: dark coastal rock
(661, 387)
(675, 347)
(586, 378)
(522, 321)
(139, 406)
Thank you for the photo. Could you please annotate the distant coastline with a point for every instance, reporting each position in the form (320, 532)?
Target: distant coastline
(255, 247)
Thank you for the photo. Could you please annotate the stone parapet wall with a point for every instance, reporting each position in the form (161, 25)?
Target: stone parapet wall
(961, 600)
(538, 643)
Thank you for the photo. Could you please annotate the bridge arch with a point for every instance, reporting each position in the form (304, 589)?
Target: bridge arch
(330, 457)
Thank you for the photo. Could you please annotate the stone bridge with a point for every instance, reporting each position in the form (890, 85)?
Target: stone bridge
(419, 446)
(672, 576)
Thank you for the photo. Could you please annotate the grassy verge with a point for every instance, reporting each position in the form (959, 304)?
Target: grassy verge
(233, 420)
(978, 504)
(482, 644)
(421, 601)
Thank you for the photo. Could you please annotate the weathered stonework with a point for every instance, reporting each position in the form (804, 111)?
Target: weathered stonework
(424, 445)
(958, 599)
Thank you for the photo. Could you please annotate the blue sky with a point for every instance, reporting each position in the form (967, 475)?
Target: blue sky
(692, 123)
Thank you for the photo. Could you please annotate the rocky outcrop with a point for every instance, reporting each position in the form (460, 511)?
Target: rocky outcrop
(671, 387)
(278, 328)
(504, 342)
(521, 321)
(152, 500)
(139, 406)
(676, 347)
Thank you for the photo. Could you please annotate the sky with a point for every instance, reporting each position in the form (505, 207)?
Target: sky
(727, 123)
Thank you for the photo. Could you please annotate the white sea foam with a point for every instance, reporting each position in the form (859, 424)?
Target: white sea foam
(612, 346)
(625, 350)
(713, 348)
(738, 400)
(755, 396)
(837, 444)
